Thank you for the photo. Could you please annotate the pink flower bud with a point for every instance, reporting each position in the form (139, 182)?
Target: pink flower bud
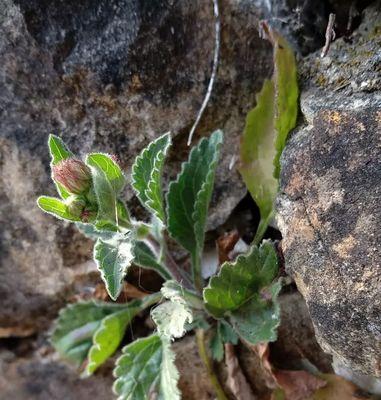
(74, 175)
(88, 216)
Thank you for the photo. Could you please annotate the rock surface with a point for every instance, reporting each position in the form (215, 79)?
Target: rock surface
(109, 76)
(304, 22)
(112, 75)
(329, 206)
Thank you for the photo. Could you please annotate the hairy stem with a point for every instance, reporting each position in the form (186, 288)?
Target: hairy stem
(197, 274)
(200, 338)
(173, 268)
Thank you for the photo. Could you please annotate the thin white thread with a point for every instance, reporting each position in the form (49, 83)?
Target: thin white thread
(214, 70)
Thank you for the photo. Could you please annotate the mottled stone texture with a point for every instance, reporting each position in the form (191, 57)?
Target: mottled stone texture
(109, 76)
(329, 207)
(112, 75)
(304, 22)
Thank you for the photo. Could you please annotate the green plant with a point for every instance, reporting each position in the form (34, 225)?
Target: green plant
(240, 301)
(267, 127)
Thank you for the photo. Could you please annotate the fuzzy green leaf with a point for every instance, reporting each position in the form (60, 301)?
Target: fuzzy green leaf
(136, 370)
(91, 232)
(106, 197)
(75, 326)
(287, 93)
(199, 322)
(108, 181)
(144, 257)
(189, 196)
(171, 318)
(173, 291)
(227, 333)
(237, 282)
(257, 321)
(266, 131)
(56, 207)
(217, 346)
(146, 365)
(169, 376)
(258, 153)
(123, 213)
(112, 329)
(113, 257)
(108, 337)
(224, 333)
(147, 175)
(58, 149)
(110, 168)
(59, 152)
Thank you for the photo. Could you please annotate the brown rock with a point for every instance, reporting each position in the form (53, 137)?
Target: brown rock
(328, 208)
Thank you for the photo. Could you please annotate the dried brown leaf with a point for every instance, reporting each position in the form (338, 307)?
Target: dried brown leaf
(100, 292)
(225, 244)
(298, 385)
(263, 352)
(132, 292)
(337, 388)
(236, 382)
(17, 331)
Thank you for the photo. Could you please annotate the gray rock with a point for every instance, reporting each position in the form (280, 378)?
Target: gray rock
(329, 205)
(304, 22)
(36, 378)
(107, 76)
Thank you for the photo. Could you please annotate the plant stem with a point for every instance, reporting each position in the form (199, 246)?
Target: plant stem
(151, 299)
(200, 338)
(176, 272)
(197, 274)
(262, 226)
(172, 267)
(260, 232)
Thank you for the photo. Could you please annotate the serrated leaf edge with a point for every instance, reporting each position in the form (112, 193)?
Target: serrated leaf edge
(158, 159)
(172, 380)
(196, 255)
(187, 319)
(116, 371)
(209, 180)
(103, 275)
(232, 265)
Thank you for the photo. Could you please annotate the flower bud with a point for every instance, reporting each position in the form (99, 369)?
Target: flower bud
(75, 205)
(74, 175)
(88, 216)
